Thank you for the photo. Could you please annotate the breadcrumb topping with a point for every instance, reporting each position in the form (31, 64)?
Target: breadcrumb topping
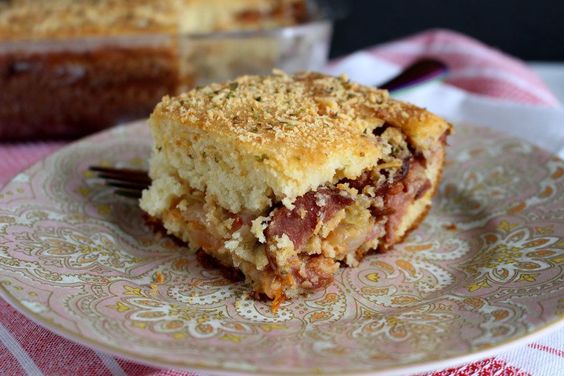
(304, 110)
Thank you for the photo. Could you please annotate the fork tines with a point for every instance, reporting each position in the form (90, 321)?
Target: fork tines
(128, 182)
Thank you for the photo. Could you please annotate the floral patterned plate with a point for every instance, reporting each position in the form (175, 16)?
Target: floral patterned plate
(484, 270)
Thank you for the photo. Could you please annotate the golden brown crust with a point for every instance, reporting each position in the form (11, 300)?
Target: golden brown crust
(299, 119)
(280, 118)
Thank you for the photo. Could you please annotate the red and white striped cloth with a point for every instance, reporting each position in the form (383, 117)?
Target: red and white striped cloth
(474, 66)
(26, 348)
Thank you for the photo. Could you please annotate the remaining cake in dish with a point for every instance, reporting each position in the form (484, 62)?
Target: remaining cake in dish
(288, 177)
(56, 19)
(70, 67)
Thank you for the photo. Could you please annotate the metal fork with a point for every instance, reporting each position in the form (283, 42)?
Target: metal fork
(127, 182)
(130, 183)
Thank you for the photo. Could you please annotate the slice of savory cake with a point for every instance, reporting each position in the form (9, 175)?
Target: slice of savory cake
(288, 177)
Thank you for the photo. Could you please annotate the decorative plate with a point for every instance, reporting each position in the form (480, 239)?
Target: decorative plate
(484, 270)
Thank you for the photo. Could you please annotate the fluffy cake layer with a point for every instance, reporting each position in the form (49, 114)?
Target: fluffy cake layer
(259, 140)
(287, 204)
(33, 19)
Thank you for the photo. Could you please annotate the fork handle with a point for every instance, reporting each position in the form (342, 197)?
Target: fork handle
(418, 73)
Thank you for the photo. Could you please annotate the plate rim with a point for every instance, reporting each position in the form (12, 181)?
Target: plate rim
(390, 371)
(152, 361)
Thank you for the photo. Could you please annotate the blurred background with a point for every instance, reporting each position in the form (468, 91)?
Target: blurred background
(73, 67)
(531, 30)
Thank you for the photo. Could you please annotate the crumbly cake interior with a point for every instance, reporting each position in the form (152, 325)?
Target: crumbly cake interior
(289, 235)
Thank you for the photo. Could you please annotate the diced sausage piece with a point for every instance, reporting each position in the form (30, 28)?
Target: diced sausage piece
(300, 222)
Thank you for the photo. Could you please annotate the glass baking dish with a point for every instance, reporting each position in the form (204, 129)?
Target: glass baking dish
(64, 88)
